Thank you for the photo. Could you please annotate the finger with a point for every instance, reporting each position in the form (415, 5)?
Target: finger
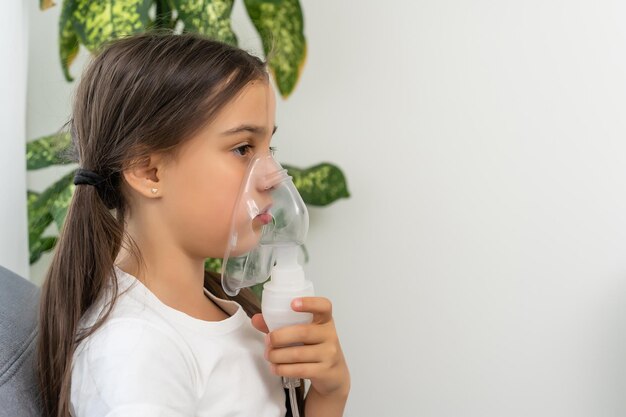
(297, 354)
(259, 323)
(327, 353)
(299, 370)
(308, 334)
(321, 308)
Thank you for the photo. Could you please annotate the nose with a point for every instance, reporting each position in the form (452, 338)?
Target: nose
(270, 173)
(272, 179)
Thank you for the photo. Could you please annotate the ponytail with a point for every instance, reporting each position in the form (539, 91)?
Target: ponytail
(82, 265)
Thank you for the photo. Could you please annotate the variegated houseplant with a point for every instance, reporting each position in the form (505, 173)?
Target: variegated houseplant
(90, 23)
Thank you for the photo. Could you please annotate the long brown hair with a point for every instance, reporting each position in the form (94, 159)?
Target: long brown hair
(139, 95)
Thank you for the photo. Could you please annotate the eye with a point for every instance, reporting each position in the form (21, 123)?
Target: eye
(243, 150)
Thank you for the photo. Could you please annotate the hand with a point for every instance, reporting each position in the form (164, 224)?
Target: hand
(309, 351)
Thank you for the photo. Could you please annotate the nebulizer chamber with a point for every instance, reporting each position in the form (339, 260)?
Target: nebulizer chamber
(269, 225)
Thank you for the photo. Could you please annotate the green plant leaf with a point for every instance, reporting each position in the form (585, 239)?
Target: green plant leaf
(39, 218)
(53, 201)
(47, 151)
(46, 207)
(31, 197)
(46, 4)
(208, 17)
(319, 185)
(68, 41)
(97, 22)
(257, 289)
(60, 204)
(281, 27)
(213, 264)
(40, 246)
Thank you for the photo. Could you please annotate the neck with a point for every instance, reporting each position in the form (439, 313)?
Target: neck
(172, 273)
(175, 277)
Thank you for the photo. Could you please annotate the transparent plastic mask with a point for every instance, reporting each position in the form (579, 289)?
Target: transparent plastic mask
(269, 212)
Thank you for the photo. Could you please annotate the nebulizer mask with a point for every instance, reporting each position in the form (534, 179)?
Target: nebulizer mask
(268, 226)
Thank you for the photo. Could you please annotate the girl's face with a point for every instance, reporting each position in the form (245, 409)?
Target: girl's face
(201, 184)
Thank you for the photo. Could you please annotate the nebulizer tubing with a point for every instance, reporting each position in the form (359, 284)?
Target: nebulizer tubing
(291, 384)
(268, 227)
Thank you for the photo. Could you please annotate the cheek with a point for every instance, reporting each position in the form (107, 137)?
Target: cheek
(200, 206)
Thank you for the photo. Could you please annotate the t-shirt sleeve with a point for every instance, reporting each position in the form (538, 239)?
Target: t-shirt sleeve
(132, 368)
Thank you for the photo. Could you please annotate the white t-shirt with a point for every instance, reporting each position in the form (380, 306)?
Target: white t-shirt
(149, 359)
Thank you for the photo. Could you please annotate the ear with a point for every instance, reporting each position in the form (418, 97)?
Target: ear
(143, 176)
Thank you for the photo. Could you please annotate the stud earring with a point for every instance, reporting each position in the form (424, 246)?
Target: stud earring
(154, 190)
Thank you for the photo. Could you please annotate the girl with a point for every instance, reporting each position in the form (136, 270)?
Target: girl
(163, 126)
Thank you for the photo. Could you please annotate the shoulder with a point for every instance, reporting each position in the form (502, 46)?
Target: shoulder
(136, 343)
(129, 361)
(130, 336)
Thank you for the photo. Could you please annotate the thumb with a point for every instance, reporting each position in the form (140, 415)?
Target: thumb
(259, 323)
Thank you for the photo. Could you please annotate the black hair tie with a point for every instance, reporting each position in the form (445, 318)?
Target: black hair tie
(105, 186)
(86, 177)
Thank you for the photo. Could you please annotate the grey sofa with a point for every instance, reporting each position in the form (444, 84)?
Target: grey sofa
(19, 300)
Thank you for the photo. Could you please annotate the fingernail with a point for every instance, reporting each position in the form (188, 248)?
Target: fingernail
(266, 354)
(297, 303)
(267, 339)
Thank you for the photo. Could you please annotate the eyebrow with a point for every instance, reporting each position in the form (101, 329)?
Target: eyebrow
(254, 129)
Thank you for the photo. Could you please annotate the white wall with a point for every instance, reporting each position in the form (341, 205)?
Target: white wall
(478, 269)
(13, 64)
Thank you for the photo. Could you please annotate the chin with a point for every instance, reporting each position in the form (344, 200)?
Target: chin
(246, 245)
